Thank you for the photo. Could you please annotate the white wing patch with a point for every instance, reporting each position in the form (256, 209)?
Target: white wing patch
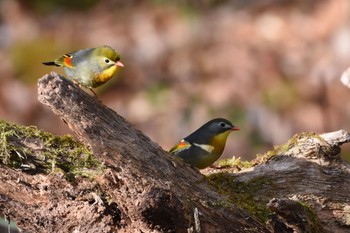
(205, 147)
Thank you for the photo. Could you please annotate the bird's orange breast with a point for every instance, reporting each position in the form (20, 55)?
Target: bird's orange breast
(106, 75)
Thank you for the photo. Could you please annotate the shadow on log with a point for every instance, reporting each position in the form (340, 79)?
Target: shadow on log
(141, 188)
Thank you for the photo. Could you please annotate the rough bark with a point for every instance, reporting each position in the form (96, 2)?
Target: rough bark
(144, 189)
(305, 184)
(150, 190)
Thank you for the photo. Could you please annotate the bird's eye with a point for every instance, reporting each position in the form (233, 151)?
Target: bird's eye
(107, 60)
(222, 124)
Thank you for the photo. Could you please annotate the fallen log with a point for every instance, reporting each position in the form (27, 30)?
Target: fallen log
(127, 183)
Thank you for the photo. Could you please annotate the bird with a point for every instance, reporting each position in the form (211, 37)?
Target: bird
(89, 67)
(205, 145)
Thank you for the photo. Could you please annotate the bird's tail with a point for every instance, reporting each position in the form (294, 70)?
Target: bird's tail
(50, 63)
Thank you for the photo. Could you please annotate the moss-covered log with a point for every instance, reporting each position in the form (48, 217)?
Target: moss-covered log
(142, 188)
(127, 183)
(302, 186)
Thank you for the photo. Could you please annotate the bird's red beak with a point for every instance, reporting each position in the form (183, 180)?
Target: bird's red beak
(234, 128)
(118, 63)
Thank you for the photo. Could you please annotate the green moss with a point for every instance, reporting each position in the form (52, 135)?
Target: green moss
(283, 149)
(242, 194)
(245, 194)
(234, 162)
(314, 225)
(262, 158)
(35, 151)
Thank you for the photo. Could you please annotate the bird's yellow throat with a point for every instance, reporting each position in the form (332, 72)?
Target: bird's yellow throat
(106, 75)
(219, 141)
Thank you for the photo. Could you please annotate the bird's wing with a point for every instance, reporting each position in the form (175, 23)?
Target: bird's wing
(182, 145)
(65, 60)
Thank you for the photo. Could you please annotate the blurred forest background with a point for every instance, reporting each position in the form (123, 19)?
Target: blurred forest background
(272, 66)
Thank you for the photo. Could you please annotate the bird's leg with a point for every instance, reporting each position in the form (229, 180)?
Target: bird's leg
(79, 85)
(93, 92)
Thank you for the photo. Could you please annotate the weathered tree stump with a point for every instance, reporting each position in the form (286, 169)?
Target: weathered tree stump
(303, 186)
